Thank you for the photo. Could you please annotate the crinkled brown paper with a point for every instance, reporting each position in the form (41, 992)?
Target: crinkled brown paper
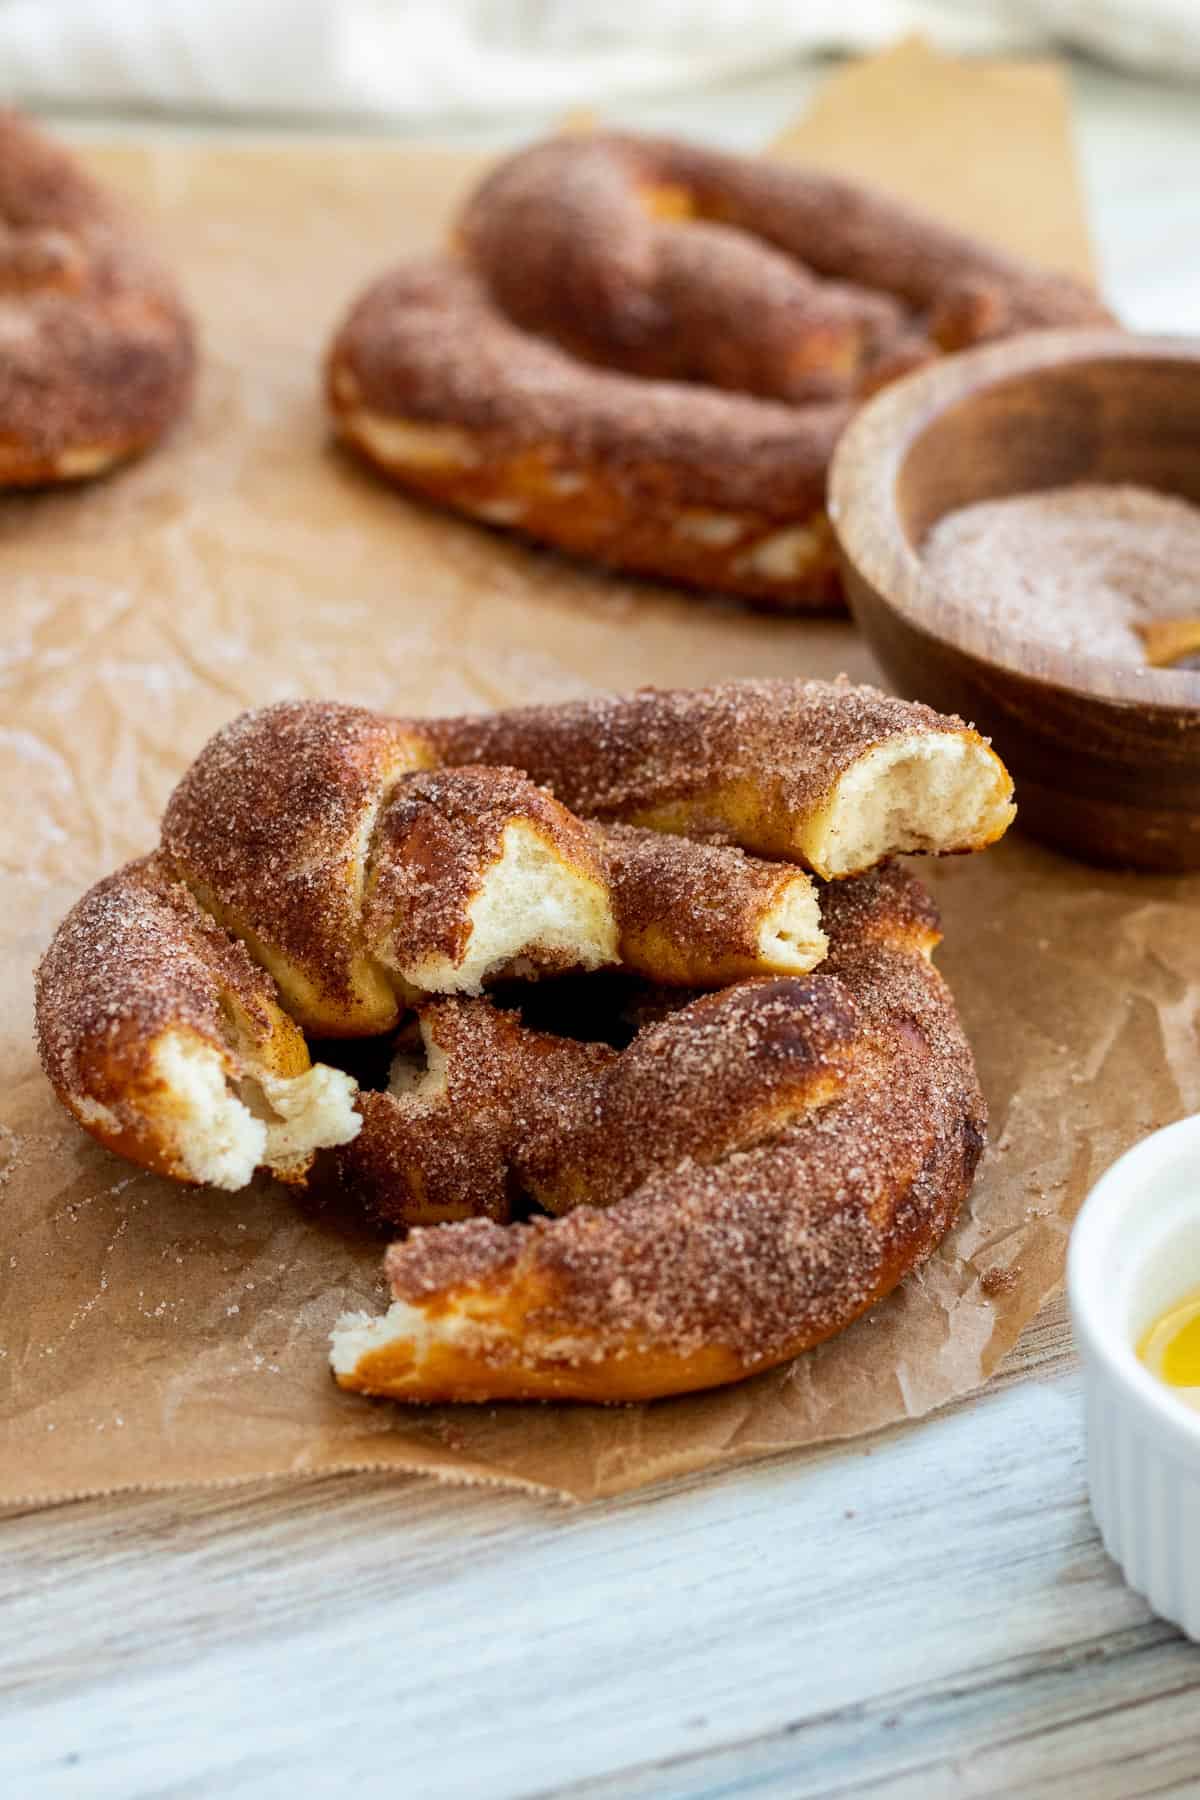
(154, 1334)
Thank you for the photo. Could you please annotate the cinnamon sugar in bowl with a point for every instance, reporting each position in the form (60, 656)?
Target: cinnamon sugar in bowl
(998, 613)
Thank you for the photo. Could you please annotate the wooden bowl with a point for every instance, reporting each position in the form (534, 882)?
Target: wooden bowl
(1106, 757)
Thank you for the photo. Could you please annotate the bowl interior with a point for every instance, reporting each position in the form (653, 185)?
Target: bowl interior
(1101, 419)
(1156, 1261)
(1157, 1279)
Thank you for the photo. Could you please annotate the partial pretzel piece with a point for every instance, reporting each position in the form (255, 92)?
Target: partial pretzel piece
(443, 1142)
(96, 349)
(499, 1109)
(701, 915)
(474, 871)
(271, 828)
(832, 776)
(683, 1272)
(546, 378)
(168, 1044)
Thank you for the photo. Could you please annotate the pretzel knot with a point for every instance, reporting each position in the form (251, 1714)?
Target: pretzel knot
(643, 352)
(740, 1111)
(96, 349)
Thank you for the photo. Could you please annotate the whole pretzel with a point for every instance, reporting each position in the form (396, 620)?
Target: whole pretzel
(644, 351)
(96, 350)
(332, 870)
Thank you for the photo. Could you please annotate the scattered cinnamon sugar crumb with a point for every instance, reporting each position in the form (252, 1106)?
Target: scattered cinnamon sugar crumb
(997, 1281)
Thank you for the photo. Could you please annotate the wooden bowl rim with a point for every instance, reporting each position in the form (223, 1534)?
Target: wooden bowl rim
(863, 483)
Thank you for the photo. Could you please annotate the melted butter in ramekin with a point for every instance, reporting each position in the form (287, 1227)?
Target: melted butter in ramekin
(1170, 1349)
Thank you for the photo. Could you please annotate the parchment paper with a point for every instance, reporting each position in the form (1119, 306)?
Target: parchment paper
(152, 1334)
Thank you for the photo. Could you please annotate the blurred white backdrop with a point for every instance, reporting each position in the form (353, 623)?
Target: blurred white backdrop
(415, 61)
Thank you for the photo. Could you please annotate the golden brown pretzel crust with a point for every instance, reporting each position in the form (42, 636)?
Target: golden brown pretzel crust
(270, 827)
(753, 1169)
(635, 756)
(755, 762)
(546, 380)
(437, 389)
(138, 968)
(697, 914)
(801, 275)
(449, 1148)
(96, 350)
(698, 1272)
(504, 1110)
(280, 825)
(348, 864)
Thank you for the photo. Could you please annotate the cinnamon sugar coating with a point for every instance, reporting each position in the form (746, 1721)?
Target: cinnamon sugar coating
(696, 913)
(134, 956)
(426, 343)
(672, 259)
(134, 960)
(434, 841)
(752, 1169)
(445, 1145)
(727, 1071)
(96, 349)
(747, 760)
(306, 826)
(504, 1110)
(643, 353)
(350, 864)
(620, 756)
(703, 1272)
(271, 827)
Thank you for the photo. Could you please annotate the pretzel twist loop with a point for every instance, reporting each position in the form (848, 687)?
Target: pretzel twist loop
(643, 352)
(96, 350)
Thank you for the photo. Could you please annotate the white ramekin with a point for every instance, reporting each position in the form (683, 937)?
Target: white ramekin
(1135, 1251)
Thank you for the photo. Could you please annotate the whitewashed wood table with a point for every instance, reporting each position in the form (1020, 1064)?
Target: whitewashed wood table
(928, 1613)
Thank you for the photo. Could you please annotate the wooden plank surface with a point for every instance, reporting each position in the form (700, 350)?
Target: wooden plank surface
(928, 1613)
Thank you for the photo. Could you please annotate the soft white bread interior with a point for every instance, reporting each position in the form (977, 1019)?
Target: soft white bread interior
(702, 913)
(357, 1335)
(790, 938)
(931, 792)
(533, 909)
(222, 1129)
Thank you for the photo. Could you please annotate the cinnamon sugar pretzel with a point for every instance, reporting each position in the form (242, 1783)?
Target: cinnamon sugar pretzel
(643, 352)
(329, 870)
(740, 1184)
(96, 349)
